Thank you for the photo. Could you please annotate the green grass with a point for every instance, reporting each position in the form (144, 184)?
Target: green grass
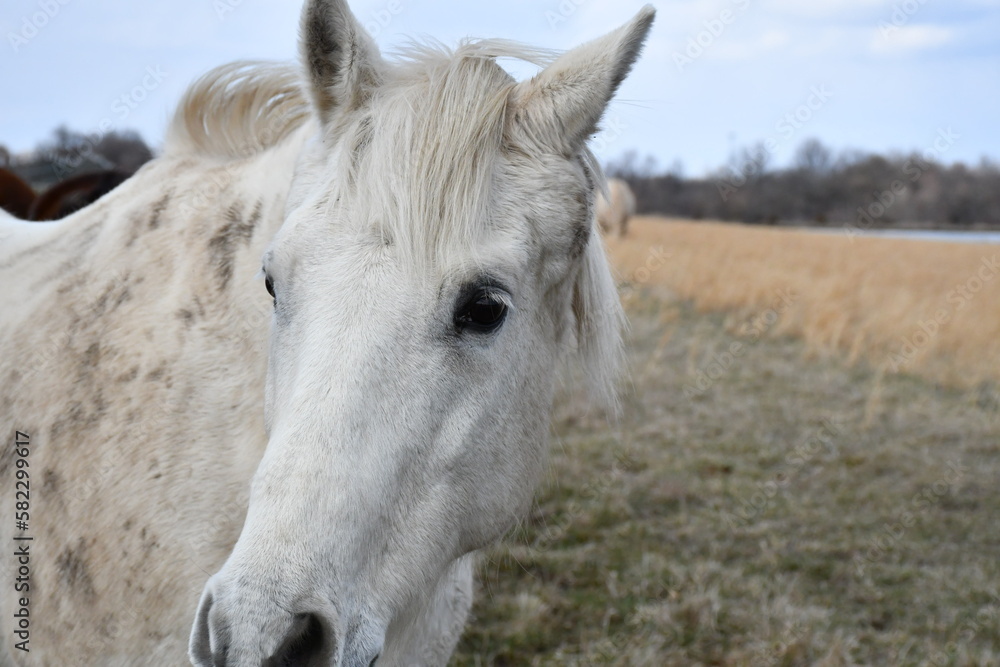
(792, 512)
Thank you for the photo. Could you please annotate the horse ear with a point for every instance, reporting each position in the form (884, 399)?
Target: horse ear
(561, 106)
(341, 59)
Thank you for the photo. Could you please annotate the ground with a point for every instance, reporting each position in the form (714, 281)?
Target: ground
(757, 503)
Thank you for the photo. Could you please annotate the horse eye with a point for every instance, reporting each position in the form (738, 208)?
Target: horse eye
(269, 284)
(483, 313)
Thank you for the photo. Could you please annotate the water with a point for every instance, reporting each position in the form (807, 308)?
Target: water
(920, 235)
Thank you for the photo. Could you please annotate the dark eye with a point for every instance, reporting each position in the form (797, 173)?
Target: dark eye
(484, 312)
(269, 285)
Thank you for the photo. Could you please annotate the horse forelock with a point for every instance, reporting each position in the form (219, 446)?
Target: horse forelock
(424, 153)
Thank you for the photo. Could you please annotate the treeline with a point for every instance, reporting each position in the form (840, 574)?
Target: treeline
(69, 153)
(824, 188)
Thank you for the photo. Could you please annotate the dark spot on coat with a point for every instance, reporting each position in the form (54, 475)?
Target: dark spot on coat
(222, 247)
(158, 208)
(131, 375)
(7, 456)
(115, 294)
(100, 405)
(137, 222)
(109, 627)
(156, 373)
(144, 219)
(76, 419)
(50, 482)
(91, 356)
(72, 417)
(73, 571)
(67, 268)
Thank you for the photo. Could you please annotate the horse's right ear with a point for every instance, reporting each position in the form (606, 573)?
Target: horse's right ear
(340, 58)
(560, 108)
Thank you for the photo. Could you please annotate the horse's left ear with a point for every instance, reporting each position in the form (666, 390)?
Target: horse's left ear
(561, 106)
(341, 59)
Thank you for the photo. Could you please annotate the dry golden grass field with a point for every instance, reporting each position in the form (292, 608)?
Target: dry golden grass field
(775, 491)
(927, 307)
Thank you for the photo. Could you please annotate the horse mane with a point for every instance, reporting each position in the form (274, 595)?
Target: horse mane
(238, 110)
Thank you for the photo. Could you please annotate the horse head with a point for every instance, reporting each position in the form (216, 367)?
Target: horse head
(437, 261)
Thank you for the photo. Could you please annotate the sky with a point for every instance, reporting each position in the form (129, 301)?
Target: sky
(716, 76)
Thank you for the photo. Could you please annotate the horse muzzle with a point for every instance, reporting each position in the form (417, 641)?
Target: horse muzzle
(243, 624)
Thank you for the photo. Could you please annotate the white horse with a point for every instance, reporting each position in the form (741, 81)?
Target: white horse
(336, 451)
(614, 211)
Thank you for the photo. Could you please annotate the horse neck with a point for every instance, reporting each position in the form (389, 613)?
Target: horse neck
(180, 243)
(230, 213)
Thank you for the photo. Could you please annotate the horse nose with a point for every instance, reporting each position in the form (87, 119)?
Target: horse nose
(238, 628)
(305, 644)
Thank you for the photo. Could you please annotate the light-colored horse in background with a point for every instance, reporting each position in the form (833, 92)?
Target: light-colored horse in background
(337, 450)
(615, 210)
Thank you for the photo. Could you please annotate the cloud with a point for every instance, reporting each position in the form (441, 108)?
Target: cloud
(746, 49)
(822, 8)
(907, 39)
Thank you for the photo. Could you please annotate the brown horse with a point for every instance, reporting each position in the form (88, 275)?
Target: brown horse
(16, 196)
(74, 193)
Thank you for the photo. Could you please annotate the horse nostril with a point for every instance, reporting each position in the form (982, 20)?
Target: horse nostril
(306, 644)
(372, 663)
(200, 646)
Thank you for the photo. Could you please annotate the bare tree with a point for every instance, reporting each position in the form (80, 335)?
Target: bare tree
(823, 187)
